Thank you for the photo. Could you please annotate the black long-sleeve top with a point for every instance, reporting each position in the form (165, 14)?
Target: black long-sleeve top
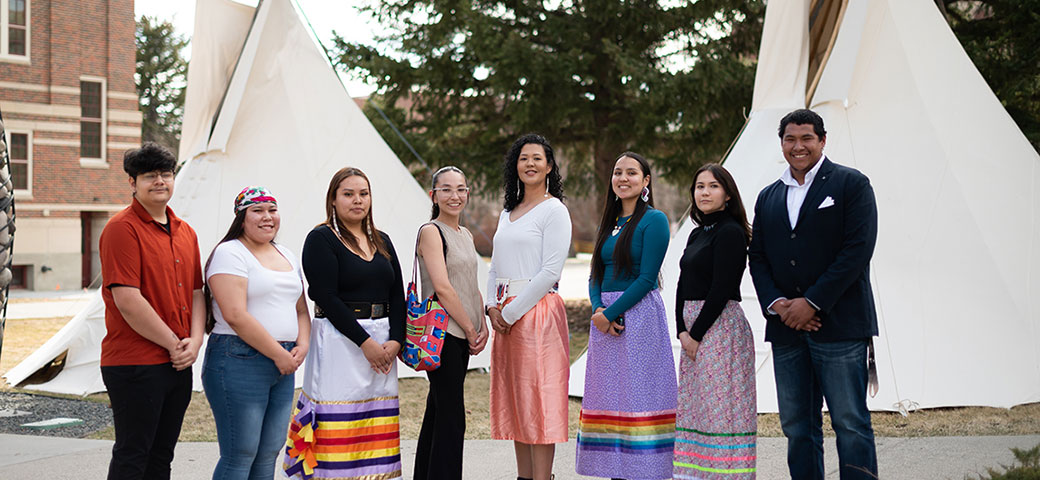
(337, 275)
(710, 269)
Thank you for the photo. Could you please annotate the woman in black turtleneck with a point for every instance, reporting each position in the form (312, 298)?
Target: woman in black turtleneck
(717, 406)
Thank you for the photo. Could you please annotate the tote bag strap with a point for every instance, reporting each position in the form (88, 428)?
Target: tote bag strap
(415, 252)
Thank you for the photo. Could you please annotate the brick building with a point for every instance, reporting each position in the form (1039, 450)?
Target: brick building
(70, 106)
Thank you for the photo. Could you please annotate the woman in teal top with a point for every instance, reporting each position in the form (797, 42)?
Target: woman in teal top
(627, 427)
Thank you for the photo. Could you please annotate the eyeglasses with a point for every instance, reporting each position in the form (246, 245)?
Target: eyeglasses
(447, 191)
(152, 176)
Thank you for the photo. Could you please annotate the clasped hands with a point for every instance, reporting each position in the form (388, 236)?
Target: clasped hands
(381, 357)
(184, 353)
(689, 345)
(600, 321)
(290, 360)
(797, 314)
(477, 340)
(497, 322)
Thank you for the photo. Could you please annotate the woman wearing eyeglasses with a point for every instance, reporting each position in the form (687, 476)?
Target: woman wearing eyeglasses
(448, 267)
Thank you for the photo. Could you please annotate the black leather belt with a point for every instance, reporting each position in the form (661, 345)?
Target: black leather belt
(360, 309)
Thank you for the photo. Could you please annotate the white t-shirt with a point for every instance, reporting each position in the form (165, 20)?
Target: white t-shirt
(533, 247)
(271, 296)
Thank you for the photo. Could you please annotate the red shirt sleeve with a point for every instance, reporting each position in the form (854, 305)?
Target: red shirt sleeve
(120, 252)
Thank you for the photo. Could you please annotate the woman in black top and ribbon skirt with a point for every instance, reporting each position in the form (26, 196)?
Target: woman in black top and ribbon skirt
(345, 424)
(716, 421)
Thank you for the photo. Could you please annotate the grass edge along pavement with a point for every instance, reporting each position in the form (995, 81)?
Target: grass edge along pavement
(958, 421)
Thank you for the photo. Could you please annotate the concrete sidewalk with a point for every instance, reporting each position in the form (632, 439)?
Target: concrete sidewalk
(65, 303)
(900, 458)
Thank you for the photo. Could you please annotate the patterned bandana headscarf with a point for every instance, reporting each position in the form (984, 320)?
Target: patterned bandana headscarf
(252, 196)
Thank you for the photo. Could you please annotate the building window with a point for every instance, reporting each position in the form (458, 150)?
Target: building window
(91, 137)
(14, 28)
(19, 276)
(19, 155)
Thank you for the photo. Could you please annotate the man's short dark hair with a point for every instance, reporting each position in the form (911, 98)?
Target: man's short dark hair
(803, 116)
(149, 158)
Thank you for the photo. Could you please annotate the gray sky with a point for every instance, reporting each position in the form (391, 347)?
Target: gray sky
(324, 15)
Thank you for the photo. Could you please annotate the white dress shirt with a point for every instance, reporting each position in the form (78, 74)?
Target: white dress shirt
(796, 193)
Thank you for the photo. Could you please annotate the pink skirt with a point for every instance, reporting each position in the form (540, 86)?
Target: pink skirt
(530, 368)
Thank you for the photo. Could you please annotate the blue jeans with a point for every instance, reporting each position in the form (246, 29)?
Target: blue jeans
(251, 404)
(807, 372)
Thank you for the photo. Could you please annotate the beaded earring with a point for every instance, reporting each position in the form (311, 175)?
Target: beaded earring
(335, 226)
(335, 223)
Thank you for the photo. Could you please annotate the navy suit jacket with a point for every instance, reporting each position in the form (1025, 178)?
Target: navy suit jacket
(825, 258)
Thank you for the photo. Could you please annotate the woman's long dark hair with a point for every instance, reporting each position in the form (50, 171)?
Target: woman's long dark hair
(235, 231)
(734, 205)
(611, 211)
(367, 224)
(511, 184)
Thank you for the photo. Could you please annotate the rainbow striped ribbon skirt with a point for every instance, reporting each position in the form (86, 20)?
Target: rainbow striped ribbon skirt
(344, 440)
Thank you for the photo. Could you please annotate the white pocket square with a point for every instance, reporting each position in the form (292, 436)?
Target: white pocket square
(827, 202)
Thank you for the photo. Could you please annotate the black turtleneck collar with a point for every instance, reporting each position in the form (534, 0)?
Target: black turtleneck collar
(712, 218)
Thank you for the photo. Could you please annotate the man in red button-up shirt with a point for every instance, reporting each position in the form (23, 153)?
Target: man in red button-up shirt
(155, 316)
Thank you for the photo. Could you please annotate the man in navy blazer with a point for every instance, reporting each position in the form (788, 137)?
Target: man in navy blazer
(813, 235)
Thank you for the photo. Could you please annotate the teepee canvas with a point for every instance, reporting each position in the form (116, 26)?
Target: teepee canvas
(264, 107)
(956, 269)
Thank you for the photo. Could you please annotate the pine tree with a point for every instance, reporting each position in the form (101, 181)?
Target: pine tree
(463, 79)
(161, 81)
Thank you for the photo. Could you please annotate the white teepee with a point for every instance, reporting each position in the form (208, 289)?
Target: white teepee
(264, 107)
(956, 270)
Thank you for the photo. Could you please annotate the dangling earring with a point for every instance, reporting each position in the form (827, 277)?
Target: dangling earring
(519, 189)
(368, 229)
(546, 187)
(645, 195)
(335, 223)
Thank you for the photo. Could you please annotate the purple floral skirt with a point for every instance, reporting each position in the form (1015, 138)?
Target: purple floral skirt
(627, 427)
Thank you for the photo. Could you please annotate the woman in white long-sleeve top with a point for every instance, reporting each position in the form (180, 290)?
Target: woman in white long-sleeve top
(530, 351)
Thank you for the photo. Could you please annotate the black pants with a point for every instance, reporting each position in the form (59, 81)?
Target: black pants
(439, 453)
(148, 404)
